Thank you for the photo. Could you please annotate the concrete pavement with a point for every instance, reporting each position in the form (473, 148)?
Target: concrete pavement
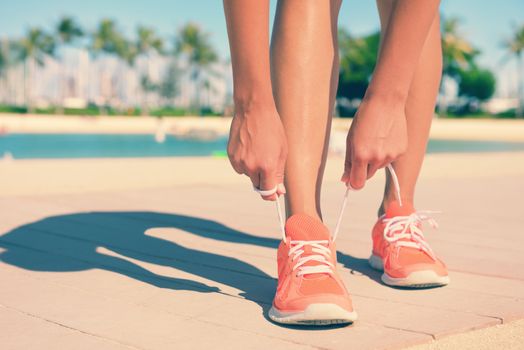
(180, 254)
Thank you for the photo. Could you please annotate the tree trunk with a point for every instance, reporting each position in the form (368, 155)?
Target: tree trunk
(145, 90)
(197, 106)
(63, 85)
(27, 85)
(520, 88)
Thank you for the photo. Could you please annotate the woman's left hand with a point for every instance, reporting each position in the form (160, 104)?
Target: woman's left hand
(377, 136)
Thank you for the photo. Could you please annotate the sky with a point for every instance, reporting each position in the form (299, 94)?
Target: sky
(484, 22)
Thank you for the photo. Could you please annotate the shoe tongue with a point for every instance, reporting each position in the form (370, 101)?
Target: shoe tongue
(306, 228)
(302, 227)
(395, 209)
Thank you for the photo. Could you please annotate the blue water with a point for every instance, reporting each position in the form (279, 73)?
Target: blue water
(22, 146)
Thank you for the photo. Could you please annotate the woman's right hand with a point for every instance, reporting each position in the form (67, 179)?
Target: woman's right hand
(257, 146)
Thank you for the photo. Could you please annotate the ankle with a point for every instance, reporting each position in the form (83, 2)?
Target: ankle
(387, 200)
(312, 213)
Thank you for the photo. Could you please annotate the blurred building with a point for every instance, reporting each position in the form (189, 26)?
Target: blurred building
(76, 79)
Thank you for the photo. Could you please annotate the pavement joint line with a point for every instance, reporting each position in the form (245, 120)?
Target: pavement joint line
(487, 275)
(141, 303)
(97, 264)
(59, 324)
(217, 231)
(487, 294)
(432, 307)
(256, 275)
(239, 297)
(138, 252)
(212, 266)
(257, 301)
(127, 271)
(500, 319)
(440, 240)
(406, 330)
(260, 334)
(254, 239)
(436, 239)
(197, 318)
(452, 287)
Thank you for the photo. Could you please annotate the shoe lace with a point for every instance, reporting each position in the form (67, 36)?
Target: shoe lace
(322, 256)
(406, 231)
(320, 247)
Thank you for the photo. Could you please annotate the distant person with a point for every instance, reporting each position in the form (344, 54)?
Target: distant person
(284, 99)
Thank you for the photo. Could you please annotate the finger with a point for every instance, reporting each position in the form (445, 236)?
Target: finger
(264, 193)
(255, 179)
(235, 162)
(358, 174)
(268, 181)
(237, 167)
(347, 167)
(281, 189)
(385, 162)
(372, 169)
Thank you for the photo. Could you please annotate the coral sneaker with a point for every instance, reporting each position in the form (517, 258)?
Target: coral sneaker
(309, 291)
(400, 250)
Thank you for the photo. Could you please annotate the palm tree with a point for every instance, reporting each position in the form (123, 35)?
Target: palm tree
(108, 39)
(3, 56)
(515, 47)
(147, 43)
(4, 60)
(32, 50)
(9, 54)
(194, 44)
(458, 54)
(128, 54)
(168, 87)
(358, 57)
(68, 31)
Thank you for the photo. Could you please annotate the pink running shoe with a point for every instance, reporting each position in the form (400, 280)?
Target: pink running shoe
(309, 291)
(401, 251)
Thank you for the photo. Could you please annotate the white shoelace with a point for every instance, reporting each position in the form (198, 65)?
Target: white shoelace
(321, 247)
(404, 231)
(323, 256)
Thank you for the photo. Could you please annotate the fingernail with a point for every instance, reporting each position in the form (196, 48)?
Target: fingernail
(281, 188)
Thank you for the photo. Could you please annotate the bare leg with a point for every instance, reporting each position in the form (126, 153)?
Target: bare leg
(304, 69)
(420, 108)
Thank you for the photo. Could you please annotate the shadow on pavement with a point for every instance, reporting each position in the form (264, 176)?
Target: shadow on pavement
(71, 243)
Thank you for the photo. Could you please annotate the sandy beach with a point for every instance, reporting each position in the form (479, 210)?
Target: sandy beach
(462, 129)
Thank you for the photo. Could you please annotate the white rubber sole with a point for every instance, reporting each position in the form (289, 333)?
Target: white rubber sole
(418, 279)
(314, 315)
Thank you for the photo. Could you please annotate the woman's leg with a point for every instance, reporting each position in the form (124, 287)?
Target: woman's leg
(420, 109)
(304, 69)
